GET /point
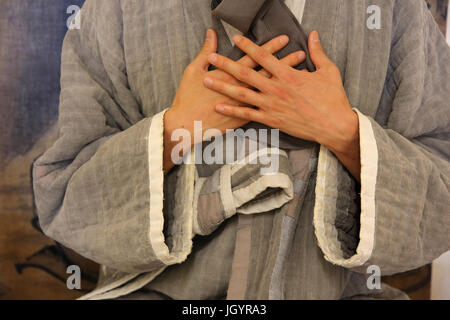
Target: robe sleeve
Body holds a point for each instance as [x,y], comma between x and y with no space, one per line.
[403,220]
[99,189]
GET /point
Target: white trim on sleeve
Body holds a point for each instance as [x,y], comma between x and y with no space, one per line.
[184,197]
[324,215]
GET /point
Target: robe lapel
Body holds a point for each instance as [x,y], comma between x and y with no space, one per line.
[360,53]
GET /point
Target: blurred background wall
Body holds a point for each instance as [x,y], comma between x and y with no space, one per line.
[31,265]
[31,33]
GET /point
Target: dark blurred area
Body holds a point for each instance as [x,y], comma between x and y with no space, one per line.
[31,265]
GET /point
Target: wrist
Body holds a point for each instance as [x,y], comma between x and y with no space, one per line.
[347,146]
[168,129]
[345,140]
[169,124]
[176,144]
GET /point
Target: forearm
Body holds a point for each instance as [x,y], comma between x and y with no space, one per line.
[346,145]
[351,160]
[172,123]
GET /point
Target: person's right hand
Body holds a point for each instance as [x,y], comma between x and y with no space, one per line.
[195,102]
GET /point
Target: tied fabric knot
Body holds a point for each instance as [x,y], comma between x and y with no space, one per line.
[261,21]
[249,185]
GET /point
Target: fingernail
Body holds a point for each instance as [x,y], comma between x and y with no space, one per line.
[209,34]
[220,108]
[301,55]
[212,58]
[237,38]
[315,36]
[209,81]
[284,40]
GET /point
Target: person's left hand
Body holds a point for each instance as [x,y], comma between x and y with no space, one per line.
[311,106]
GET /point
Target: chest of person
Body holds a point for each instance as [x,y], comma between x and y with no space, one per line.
[162,37]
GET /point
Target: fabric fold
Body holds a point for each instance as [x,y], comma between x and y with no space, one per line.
[237,13]
[241,188]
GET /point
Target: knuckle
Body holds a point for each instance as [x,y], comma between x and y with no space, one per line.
[242,93]
[286,75]
[269,47]
[262,54]
[246,114]
[243,73]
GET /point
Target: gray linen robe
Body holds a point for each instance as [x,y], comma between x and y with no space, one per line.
[100,188]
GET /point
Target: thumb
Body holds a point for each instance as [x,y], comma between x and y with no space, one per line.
[318,56]
[209,47]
